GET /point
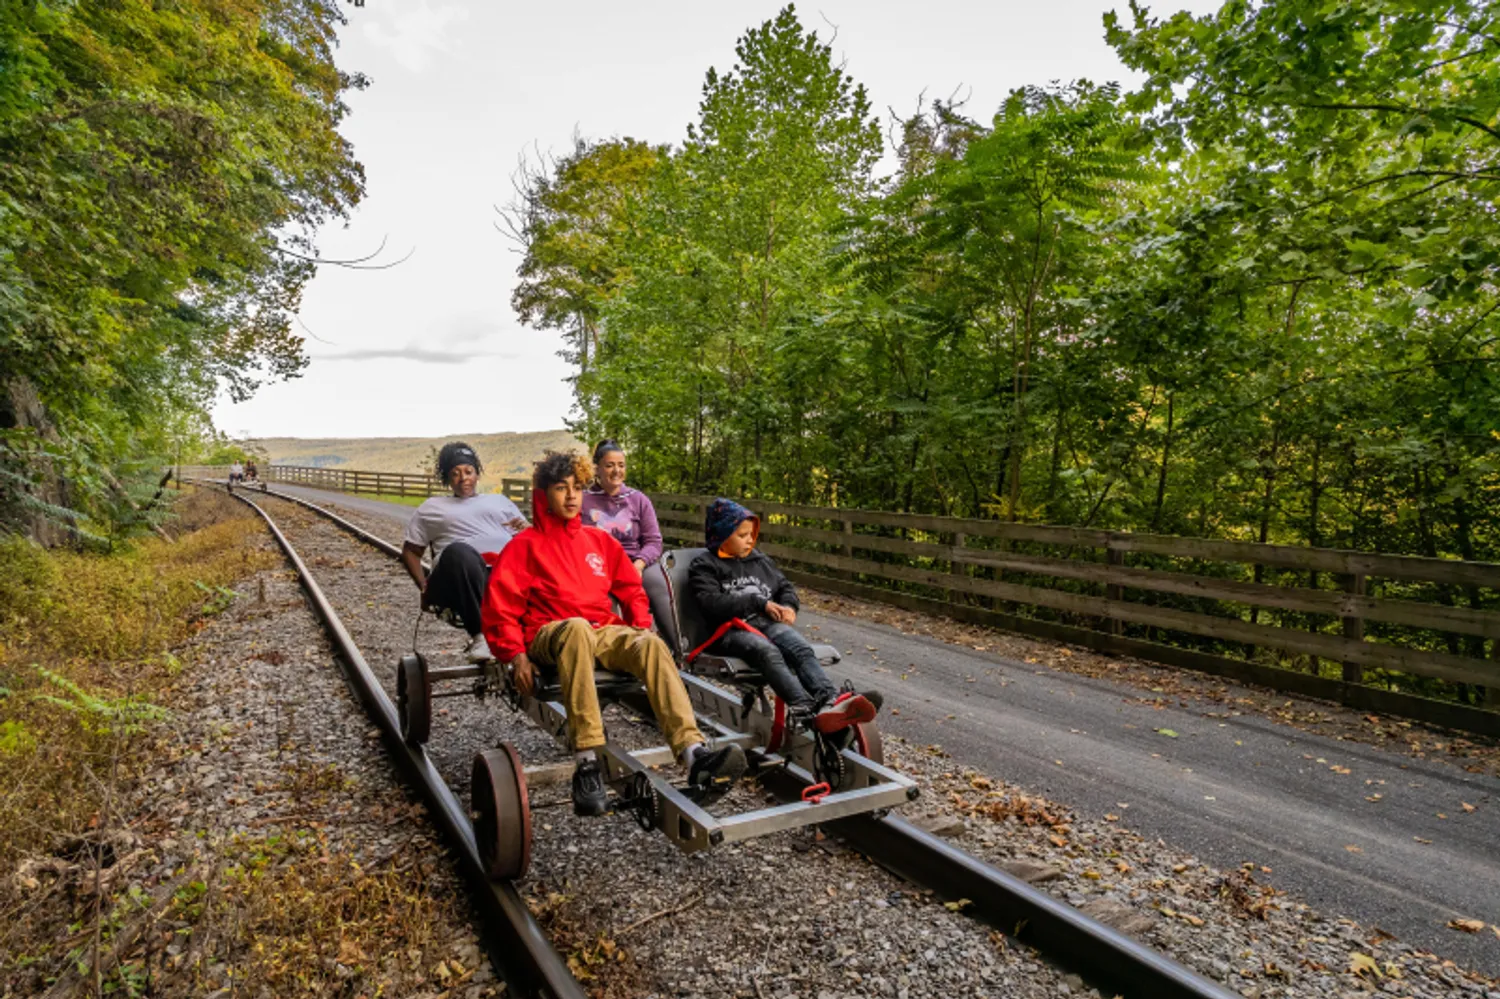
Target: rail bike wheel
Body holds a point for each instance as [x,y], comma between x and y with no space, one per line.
[867,742]
[414,699]
[502,813]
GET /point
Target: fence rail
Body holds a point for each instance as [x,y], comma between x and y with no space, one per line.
[1424,617]
[346,480]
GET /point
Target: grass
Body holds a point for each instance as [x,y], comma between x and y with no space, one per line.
[86,657]
[393,498]
[92,652]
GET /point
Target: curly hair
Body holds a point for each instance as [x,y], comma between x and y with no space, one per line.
[452,455]
[555,466]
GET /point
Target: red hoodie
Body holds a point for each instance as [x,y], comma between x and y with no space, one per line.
[555,570]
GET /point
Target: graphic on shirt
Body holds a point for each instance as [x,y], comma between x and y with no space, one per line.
[743,585]
[596,562]
[619,524]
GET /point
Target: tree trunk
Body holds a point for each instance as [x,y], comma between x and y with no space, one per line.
[1161,476]
[21,408]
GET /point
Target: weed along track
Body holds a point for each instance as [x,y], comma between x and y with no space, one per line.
[791,913]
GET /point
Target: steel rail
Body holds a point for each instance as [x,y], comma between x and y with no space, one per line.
[1107,959]
[517,945]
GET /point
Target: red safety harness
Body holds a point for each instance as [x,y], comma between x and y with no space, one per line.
[732,624]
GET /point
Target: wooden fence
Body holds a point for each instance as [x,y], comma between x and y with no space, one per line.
[347,480]
[1193,602]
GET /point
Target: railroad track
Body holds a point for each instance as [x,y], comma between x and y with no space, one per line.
[1105,958]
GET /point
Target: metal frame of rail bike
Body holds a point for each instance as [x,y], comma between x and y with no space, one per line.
[838,781]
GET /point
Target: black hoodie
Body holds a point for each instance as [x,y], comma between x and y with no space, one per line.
[727,588]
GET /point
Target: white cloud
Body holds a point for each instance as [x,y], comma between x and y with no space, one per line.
[417,34]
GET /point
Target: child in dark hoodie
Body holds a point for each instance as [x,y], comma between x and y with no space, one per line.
[751,606]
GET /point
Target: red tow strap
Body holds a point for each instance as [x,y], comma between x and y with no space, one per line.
[732,624]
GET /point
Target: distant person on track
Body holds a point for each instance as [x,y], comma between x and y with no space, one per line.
[466,532]
[236,473]
[549,604]
[252,474]
[752,606]
[610,505]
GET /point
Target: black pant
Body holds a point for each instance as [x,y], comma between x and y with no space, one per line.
[785,659]
[457,584]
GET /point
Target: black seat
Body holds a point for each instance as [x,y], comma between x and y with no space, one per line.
[611,686]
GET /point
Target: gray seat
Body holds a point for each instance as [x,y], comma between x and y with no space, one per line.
[682,625]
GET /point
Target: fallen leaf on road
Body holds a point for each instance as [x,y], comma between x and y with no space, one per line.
[1363,964]
[1353,849]
[1441,815]
[1421,840]
[1373,797]
[1466,806]
[1340,770]
[958,906]
[1166,732]
[1466,925]
[1111,818]
[1058,841]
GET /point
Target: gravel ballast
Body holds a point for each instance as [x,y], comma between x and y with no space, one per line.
[796,914]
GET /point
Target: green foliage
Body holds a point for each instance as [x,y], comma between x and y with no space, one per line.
[166,167]
[1254,299]
[125,715]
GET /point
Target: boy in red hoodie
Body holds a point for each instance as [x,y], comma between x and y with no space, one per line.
[548,602]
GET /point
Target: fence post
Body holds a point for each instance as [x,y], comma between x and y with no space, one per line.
[1114,591]
[1354,626]
[848,533]
[955,567]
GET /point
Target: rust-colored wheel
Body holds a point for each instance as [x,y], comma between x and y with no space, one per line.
[502,813]
[867,742]
[414,699]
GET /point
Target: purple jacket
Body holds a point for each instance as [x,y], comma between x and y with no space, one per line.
[629,516]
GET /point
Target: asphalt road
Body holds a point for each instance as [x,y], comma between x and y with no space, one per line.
[1229,790]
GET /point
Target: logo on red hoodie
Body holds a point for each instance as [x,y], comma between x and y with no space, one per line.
[596,562]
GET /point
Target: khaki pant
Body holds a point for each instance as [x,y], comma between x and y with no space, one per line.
[573,645]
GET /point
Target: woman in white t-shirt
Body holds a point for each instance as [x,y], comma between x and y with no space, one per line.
[466,532]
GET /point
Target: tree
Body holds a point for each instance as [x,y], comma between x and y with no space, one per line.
[166,169]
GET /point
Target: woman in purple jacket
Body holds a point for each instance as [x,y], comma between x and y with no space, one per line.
[610,505]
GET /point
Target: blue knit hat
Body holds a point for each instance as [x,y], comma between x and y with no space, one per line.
[723,517]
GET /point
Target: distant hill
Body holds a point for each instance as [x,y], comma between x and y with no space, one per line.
[504,455]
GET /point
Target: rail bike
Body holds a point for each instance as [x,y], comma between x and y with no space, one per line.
[838,775]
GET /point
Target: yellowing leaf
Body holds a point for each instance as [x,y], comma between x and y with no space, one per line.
[1166,732]
[1353,849]
[959,905]
[1363,964]
[1466,925]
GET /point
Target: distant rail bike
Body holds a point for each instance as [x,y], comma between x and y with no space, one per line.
[842,774]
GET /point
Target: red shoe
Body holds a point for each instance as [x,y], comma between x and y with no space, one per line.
[853,709]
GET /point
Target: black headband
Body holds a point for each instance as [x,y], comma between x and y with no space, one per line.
[459,456]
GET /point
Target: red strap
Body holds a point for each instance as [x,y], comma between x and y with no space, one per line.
[723,629]
[815,793]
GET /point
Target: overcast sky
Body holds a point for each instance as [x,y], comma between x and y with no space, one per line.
[462,89]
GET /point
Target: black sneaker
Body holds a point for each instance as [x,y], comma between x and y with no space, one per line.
[588,789]
[714,772]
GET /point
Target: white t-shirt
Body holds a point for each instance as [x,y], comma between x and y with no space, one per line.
[479,521]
